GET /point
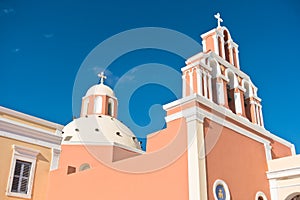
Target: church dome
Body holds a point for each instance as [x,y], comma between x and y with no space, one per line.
[100,89]
[100,130]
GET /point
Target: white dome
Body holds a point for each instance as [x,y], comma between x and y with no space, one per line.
[100,89]
[99,130]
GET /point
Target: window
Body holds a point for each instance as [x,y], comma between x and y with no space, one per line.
[221,191]
[260,196]
[110,107]
[22,172]
[21,177]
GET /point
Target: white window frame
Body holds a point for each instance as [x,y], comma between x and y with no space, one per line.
[112,107]
[260,194]
[221,182]
[23,154]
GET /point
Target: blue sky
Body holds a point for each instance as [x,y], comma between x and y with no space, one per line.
[43,44]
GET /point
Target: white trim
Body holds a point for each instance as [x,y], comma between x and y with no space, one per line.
[221,182]
[55,159]
[193,162]
[30,118]
[199,81]
[29,139]
[224,111]
[191,84]
[23,154]
[210,87]
[284,173]
[193,64]
[183,85]
[273,189]
[205,83]
[29,131]
[260,194]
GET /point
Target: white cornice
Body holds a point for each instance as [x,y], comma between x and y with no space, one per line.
[31,134]
[284,173]
[30,118]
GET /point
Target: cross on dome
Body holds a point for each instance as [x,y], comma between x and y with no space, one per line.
[102,77]
[218,17]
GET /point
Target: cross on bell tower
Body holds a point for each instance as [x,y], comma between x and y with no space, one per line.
[218,17]
[102,77]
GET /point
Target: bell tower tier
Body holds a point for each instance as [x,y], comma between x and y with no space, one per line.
[99,99]
[215,74]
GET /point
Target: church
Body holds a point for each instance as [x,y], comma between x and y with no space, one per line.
[214,146]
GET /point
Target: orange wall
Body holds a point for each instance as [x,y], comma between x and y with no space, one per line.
[239,161]
[102,182]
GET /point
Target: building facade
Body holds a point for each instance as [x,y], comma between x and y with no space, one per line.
[30,149]
[214,146]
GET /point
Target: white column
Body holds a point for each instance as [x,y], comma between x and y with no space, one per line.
[209,86]
[184,85]
[237,103]
[204,45]
[205,83]
[220,92]
[196,157]
[191,82]
[199,81]
[261,115]
[55,159]
[257,114]
[273,189]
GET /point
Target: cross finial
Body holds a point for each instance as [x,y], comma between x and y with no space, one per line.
[218,17]
[102,77]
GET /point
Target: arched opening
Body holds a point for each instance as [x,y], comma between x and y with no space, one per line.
[294,196]
[84,166]
[220,47]
[98,105]
[230,91]
[226,46]
[260,196]
[110,107]
[246,97]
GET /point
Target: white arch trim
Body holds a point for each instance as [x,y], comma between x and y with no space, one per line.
[260,194]
[233,83]
[221,182]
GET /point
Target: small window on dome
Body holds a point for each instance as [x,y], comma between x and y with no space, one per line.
[84,166]
[68,138]
[118,134]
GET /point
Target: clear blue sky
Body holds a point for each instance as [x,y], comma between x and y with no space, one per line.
[43,43]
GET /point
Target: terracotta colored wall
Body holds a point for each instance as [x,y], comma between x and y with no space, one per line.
[41,170]
[237,160]
[102,182]
[279,150]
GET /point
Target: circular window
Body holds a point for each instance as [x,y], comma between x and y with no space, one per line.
[221,191]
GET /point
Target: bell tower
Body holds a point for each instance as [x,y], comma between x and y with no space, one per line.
[215,74]
[99,99]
